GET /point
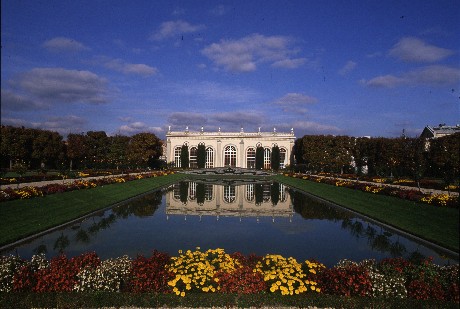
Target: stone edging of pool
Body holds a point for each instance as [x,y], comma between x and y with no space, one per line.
[394,229]
[79,219]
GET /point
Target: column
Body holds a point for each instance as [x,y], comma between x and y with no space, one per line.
[242,162]
[169,158]
[219,154]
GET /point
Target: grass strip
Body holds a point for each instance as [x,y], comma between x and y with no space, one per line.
[22,218]
[195,300]
[435,224]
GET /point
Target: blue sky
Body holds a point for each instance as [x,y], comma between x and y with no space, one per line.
[322,67]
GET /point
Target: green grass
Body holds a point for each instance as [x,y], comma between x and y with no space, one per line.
[435,224]
[22,218]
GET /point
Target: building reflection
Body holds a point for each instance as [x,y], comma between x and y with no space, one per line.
[247,200]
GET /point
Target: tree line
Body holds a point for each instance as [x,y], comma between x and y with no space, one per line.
[413,157]
[43,149]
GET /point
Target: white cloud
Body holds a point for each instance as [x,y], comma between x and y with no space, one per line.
[61,44]
[15,102]
[244,54]
[213,92]
[227,121]
[411,49]
[62,124]
[347,68]
[434,75]
[128,68]
[184,119]
[295,102]
[174,28]
[58,85]
[122,66]
[294,98]
[139,127]
[289,63]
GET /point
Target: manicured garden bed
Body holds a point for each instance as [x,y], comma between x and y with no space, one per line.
[24,217]
[436,224]
[216,278]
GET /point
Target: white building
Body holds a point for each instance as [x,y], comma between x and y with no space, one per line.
[235,149]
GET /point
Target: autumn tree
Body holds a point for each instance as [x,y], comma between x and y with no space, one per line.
[47,147]
[77,149]
[143,149]
[97,148]
[118,150]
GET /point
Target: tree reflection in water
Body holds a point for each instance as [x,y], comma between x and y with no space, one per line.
[312,208]
[142,207]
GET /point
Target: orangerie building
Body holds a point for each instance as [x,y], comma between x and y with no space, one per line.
[234,149]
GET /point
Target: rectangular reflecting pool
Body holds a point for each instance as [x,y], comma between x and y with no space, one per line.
[248,217]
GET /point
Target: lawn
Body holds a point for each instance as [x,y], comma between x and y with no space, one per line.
[22,218]
[435,224]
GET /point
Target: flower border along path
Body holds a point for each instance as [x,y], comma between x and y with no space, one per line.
[25,217]
[187,278]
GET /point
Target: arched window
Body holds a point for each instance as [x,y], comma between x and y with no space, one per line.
[267,164]
[250,192]
[192,191]
[193,152]
[251,157]
[282,193]
[229,194]
[177,151]
[208,191]
[230,156]
[282,158]
[209,158]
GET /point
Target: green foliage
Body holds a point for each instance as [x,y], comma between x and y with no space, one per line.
[200,193]
[259,158]
[201,156]
[184,157]
[275,158]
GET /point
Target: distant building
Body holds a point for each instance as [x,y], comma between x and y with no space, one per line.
[235,149]
[439,131]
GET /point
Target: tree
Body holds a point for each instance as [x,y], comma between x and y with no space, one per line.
[118,150]
[77,149]
[444,154]
[144,148]
[259,158]
[275,158]
[98,148]
[201,156]
[184,157]
[16,145]
[47,147]
[360,154]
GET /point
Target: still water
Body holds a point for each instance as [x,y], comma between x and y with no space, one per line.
[247,217]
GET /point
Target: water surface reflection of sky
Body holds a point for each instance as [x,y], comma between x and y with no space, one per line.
[261,220]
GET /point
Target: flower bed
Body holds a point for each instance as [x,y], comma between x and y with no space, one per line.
[424,183]
[215,271]
[440,200]
[30,192]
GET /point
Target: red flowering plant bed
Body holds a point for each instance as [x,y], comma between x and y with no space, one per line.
[440,200]
[215,271]
[9,194]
